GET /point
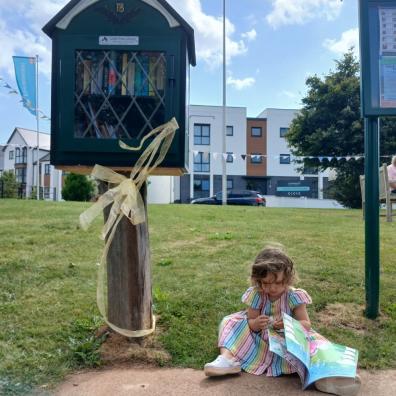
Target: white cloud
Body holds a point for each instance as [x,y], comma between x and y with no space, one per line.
[21,22]
[289,94]
[26,39]
[250,36]
[349,38]
[208,30]
[289,12]
[240,84]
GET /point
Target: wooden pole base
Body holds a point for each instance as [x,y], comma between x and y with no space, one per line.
[128,273]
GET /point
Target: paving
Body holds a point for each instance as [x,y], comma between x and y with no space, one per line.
[176,382]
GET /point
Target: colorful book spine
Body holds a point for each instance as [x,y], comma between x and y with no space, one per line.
[112,73]
[131,79]
[86,76]
[152,82]
[145,76]
[105,84]
[124,72]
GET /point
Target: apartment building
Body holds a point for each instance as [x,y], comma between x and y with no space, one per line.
[257,153]
[206,153]
[20,156]
[284,177]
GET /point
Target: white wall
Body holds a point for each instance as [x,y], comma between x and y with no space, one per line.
[276,145]
[236,144]
[160,190]
[303,202]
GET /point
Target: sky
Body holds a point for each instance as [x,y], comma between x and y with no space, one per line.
[272,47]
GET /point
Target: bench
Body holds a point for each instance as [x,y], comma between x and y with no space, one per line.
[385,195]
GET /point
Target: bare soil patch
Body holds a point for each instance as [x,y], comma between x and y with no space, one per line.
[349,316]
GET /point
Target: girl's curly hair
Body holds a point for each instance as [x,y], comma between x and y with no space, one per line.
[270,260]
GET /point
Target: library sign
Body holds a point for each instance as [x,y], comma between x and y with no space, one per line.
[378,57]
[119,70]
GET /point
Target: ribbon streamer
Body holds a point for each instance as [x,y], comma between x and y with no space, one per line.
[127,201]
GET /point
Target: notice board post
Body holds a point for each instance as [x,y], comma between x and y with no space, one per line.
[377,29]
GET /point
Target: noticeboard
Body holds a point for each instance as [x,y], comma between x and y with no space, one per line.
[377,20]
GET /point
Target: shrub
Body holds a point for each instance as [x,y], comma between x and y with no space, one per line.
[77,188]
[8,185]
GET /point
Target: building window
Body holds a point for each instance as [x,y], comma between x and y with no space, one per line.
[202,134]
[283,131]
[201,186]
[20,175]
[47,169]
[17,155]
[230,157]
[11,155]
[24,155]
[230,184]
[230,130]
[47,192]
[202,162]
[284,159]
[255,158]
[309,171]
[256,131]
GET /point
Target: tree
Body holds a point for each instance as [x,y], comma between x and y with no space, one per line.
[330,124]
[77,188]
[8,185]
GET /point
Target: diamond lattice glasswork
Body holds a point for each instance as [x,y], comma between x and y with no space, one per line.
[119,94]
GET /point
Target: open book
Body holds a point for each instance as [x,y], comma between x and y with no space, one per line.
[313,356]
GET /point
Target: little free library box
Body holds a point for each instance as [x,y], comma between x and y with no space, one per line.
[119,70]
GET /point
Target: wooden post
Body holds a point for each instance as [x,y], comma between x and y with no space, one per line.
[128,273]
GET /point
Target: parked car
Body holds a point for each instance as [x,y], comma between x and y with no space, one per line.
[234,197]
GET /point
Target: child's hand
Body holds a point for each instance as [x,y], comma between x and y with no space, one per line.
[261,322]
[278,324]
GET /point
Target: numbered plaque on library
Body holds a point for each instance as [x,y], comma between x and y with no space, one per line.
[119,70]
[378,57]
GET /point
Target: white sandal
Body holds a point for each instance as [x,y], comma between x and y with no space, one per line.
[221,366]
[341,386]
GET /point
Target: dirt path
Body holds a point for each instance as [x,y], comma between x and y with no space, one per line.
[176,382]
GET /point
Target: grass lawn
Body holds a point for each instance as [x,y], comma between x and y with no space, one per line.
[200,262]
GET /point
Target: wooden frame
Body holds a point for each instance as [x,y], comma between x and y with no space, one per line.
[385,195]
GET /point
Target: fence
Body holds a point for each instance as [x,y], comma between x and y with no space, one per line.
[23,191]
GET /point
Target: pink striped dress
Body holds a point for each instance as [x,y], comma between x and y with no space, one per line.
[251,348]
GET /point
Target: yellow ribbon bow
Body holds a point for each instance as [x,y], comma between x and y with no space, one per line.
[126,200]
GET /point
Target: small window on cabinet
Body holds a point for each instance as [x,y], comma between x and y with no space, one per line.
[230,130]
[119,94]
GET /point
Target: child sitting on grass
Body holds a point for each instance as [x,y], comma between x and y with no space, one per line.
[243,341]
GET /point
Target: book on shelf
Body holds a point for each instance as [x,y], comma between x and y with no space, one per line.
[313,356]
[124,73]
[131,78]
[87,76]
[141,76]
[152,80]
[112,73]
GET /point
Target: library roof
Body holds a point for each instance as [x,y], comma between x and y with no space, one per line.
[49,28]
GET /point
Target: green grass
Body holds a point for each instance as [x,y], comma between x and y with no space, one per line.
[200,262]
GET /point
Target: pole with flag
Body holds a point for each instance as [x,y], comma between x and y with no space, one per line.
[26,75]
[224,128]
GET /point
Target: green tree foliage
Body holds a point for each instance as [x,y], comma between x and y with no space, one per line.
[8,185]
[77,188]
[330,124]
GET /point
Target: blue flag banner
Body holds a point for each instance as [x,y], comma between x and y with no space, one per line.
[25,74]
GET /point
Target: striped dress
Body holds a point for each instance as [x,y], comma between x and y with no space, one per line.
[251,348]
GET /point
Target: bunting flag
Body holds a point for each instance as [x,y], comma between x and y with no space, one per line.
[13,91]
[25,74]
[320,158]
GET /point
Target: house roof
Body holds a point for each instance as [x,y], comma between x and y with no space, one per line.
[30,138]
[50,27]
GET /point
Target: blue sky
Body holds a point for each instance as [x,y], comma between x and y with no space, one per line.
[272,46]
